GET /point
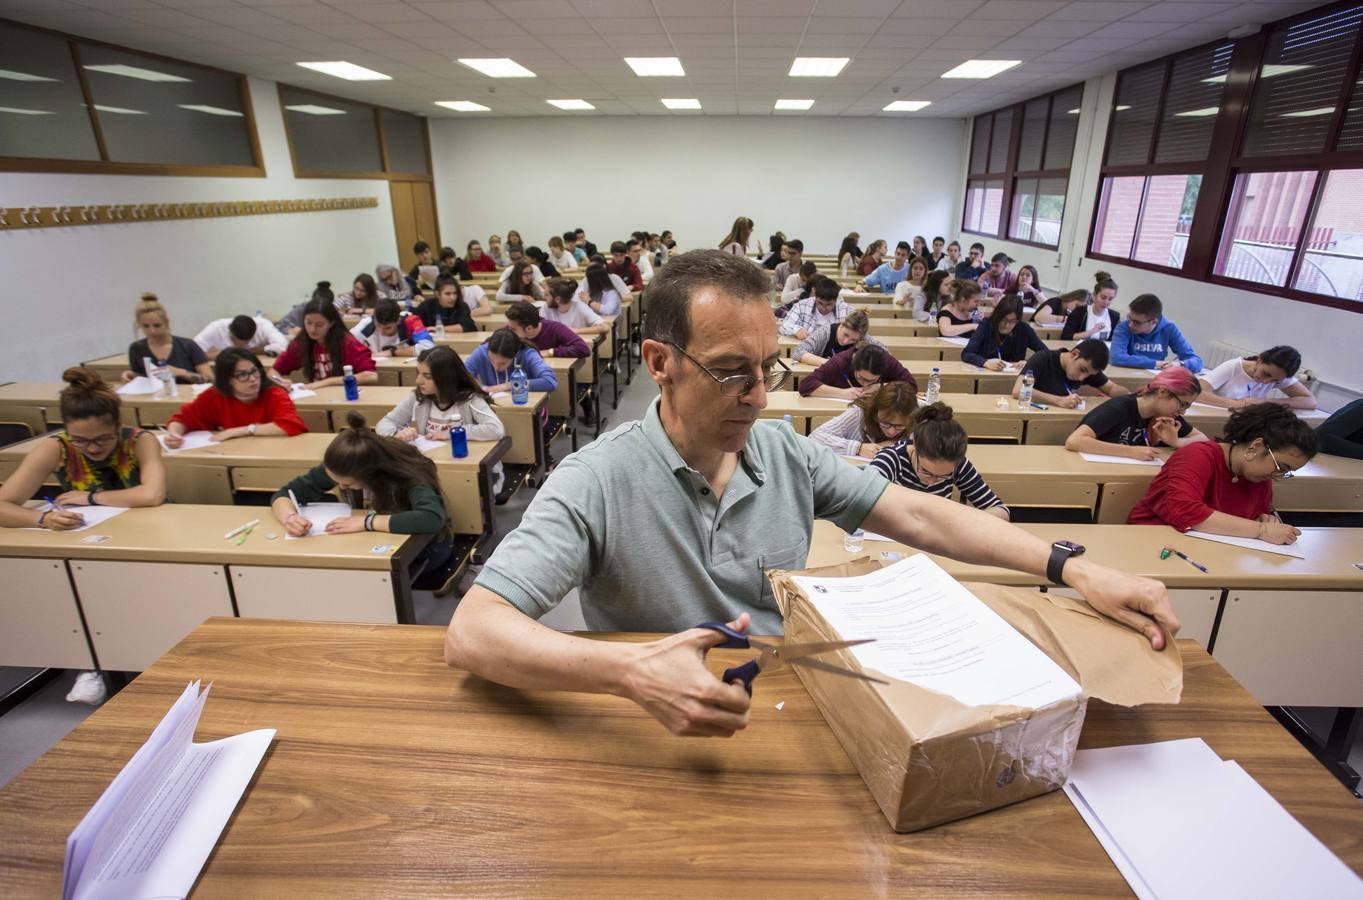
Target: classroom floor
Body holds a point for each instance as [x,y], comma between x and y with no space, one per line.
[42,720]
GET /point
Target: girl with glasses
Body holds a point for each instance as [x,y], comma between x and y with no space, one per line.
[871,423]
[242,403]
[1134,425]
[1227,487]
[933,461]
[96,461]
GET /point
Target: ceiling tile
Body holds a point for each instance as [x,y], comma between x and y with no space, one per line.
[841,8]
[1098,11]
[1017,10]
[843,25]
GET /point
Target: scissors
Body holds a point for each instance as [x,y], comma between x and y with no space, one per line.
[777,653]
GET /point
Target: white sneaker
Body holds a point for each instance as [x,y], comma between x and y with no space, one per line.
[498,479]
[89,688]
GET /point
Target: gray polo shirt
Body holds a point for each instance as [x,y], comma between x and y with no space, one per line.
[627,521]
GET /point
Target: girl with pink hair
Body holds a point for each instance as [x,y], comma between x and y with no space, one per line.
[1135,424]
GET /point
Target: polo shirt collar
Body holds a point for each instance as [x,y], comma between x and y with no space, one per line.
[657,438]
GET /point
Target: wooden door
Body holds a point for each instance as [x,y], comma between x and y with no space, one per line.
[413,218]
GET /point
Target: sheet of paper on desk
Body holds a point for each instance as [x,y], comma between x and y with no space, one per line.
[298,392]
[424,443]
[151,831]
[958,341]
[140,385]
[191,440]
[93,515]
[319,514]
[931,631]
[1210,829]
[1250,544]
[1121,460]
[200,388]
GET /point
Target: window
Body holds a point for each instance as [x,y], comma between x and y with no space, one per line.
[81,106]
[334,138]
[1027,181]
[404,136]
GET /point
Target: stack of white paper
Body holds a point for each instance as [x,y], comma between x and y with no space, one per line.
[931,631]
[1121,460]
[151,831]
[93,515]
[319,514]
[298,392]
[1180,822]
[141,385]
[190,440]
[958,341]
[1250,544]
[424,443]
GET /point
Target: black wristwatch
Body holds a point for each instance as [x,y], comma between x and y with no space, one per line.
[1061,551]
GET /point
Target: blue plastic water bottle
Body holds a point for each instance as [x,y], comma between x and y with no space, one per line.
[352,384]
[459,438]
[520,386]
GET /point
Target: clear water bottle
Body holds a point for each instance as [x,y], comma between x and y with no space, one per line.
[789,422]
[934,386]
[459,438]
[520,386]
[853,541]
[352,384]
[439,328]
[975,315]
[1025,392]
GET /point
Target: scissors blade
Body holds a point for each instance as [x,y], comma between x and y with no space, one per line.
[835,669]
[795,651]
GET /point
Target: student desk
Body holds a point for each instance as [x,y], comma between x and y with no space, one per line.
[921,347]
[604,346]
[978,414]
[393,774]
[164,570]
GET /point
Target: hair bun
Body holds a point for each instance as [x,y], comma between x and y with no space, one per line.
[355,420]
[1102,276]
[935,412]
[149,297]
[324,285]
[82,379]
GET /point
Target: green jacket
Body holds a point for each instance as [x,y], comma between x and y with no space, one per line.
[427,515]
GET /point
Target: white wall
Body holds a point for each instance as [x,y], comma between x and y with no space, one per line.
[69,292]
[1328,338]
[814,179]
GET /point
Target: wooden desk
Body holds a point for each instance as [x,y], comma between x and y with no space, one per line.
[394,775]
[164,570]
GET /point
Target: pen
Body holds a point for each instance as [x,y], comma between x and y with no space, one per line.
[1036,405]
[240,528]
[294,500]
[1164,554]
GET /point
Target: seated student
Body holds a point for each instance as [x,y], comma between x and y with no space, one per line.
[601,290]
[1097,319]
[1227,488]
[776,251]
[493,361]
[794,258]
[426,280]
[514,244]
[364,293]
[256,334]
[909,293]
[936,292]
[186,359]
[549,337]
[497,251]
[1058,309]
[1247,380]
[560,256]
[243,402]
[540,260]
[919,248]
[1004,340]
[620,264]
[452,266]
[444,388]
[449,308]
[972,267]
[521,284]
[827,341]
[949,262]
[799,285]
[390,283]
[936,254]
[872,422]
[1063,375]
[1145,338]
[998,279]
[634,249]
[888,275]
[590,249]
[1134,424]
[564,304]
[824,307]
[848,258]
[1342,433]
[570,246]
[958,318]
[854,373]
[96,460]
[324,348]
[476,260]
[391,331]
[1028,287]
[393,478]
[875,255]
[425,256]
[933,460]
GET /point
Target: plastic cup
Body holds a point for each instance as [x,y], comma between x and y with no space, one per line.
[853,542]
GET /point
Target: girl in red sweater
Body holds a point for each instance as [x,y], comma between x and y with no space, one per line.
[323,347]
[1227,488]
[242,402]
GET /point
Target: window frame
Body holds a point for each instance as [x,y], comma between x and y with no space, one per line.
[1011,174]
[1226,161]
[386,174]
[105,166]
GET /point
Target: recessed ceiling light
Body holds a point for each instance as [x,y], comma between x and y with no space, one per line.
[655,66]
[1199,113]
[313,109]
[907,105]
[22,76]
[1272,70]
[570,104]
[501,67]
[26,112]
[981,68]
[349,71]
[211,110]
[817,66]
[462,105]
[1308,113]
[135,72]
[794,104]
[681,103]
[120,110]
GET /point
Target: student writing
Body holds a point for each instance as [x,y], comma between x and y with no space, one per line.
[550,338]
[493,362]
[243,402]
[324,348]
[186,359]
[564,304]
[449,307]
[1146,337]
[254,333]
[364,293]
[824,307]
[1062,376]
[933,461]
[854,373]
[521,283]
[872,422]
[827,341]
[1134,424]
[1247,380]
[1004,340]
[444,388]
[391,331]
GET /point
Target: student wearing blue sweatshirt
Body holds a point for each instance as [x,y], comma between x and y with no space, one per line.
[1144,338]
[493,361]
[888,275]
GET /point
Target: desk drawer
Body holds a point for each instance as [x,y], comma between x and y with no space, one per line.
[39,620]
[1022,491]
[265,478]
[319,595]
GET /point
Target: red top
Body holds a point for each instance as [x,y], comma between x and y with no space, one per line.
[483,263]
[353,353]
[212,410]
[1196,482]
[867,265]
[629,273]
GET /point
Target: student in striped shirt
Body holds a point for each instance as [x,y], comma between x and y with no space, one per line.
[873,422]
[933,461]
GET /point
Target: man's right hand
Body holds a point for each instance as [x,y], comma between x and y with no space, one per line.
[669,680]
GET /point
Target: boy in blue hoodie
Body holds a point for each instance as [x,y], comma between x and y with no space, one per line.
[492,361]
[1144,338]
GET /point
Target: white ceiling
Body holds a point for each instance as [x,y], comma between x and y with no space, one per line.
[736,52]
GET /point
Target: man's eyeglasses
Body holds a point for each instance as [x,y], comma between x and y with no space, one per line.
[1280,472]
[738,385]
[243,377]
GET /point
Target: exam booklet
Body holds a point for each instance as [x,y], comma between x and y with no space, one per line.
[153,828]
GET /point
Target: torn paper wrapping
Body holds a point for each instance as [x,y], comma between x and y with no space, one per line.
[928,758]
